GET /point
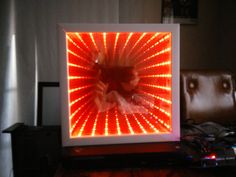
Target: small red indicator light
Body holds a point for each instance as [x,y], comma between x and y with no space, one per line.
[211,157]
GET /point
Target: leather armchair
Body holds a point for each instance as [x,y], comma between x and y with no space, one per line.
[208,96]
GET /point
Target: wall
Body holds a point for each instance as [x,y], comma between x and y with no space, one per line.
[200,42]
[209,44]
[140,11]
[227,18]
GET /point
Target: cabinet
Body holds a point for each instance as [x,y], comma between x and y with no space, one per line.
[36,151]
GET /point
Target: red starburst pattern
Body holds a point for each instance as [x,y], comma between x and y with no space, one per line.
[119,83]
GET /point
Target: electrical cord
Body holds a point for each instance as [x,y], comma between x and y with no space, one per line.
[206,136]
[208,144]
[209,129]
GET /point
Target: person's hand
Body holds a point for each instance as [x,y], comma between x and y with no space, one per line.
[100,90]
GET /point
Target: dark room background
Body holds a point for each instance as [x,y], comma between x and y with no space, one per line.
[28,46]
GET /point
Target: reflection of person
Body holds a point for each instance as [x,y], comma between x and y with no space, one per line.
[116,86]
[131,84]
[117,91]
[102,100]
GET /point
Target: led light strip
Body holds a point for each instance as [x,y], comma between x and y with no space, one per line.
[78,56]
[157,97]
[149,123]
[71,40]
[129,125]
[156,86]
[117,122]
[158,108]
[152,56]
[77,110]
[146,43]
[80,98]
[77,120]
[80,77]
[106,124]
[80,38]
[81,88]
[156,76]
[94,43]
[126,42]
[154,45]
[115,45]
[80,66]
[84,124]
[139,124]
[155,65]
[159,120]
[105,42]
[136,43]
[95,124]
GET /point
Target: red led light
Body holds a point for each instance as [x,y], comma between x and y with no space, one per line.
[211,157]
[119,83]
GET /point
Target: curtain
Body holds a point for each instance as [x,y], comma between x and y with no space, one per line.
[8,87]
[28,54]
[36,40]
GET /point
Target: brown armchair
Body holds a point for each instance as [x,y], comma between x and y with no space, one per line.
[208,96]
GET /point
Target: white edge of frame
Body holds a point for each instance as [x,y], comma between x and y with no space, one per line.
[174,136]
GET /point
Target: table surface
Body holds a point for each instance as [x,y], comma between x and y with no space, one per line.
[149,172]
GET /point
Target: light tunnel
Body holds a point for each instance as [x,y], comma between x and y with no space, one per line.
[119,83]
